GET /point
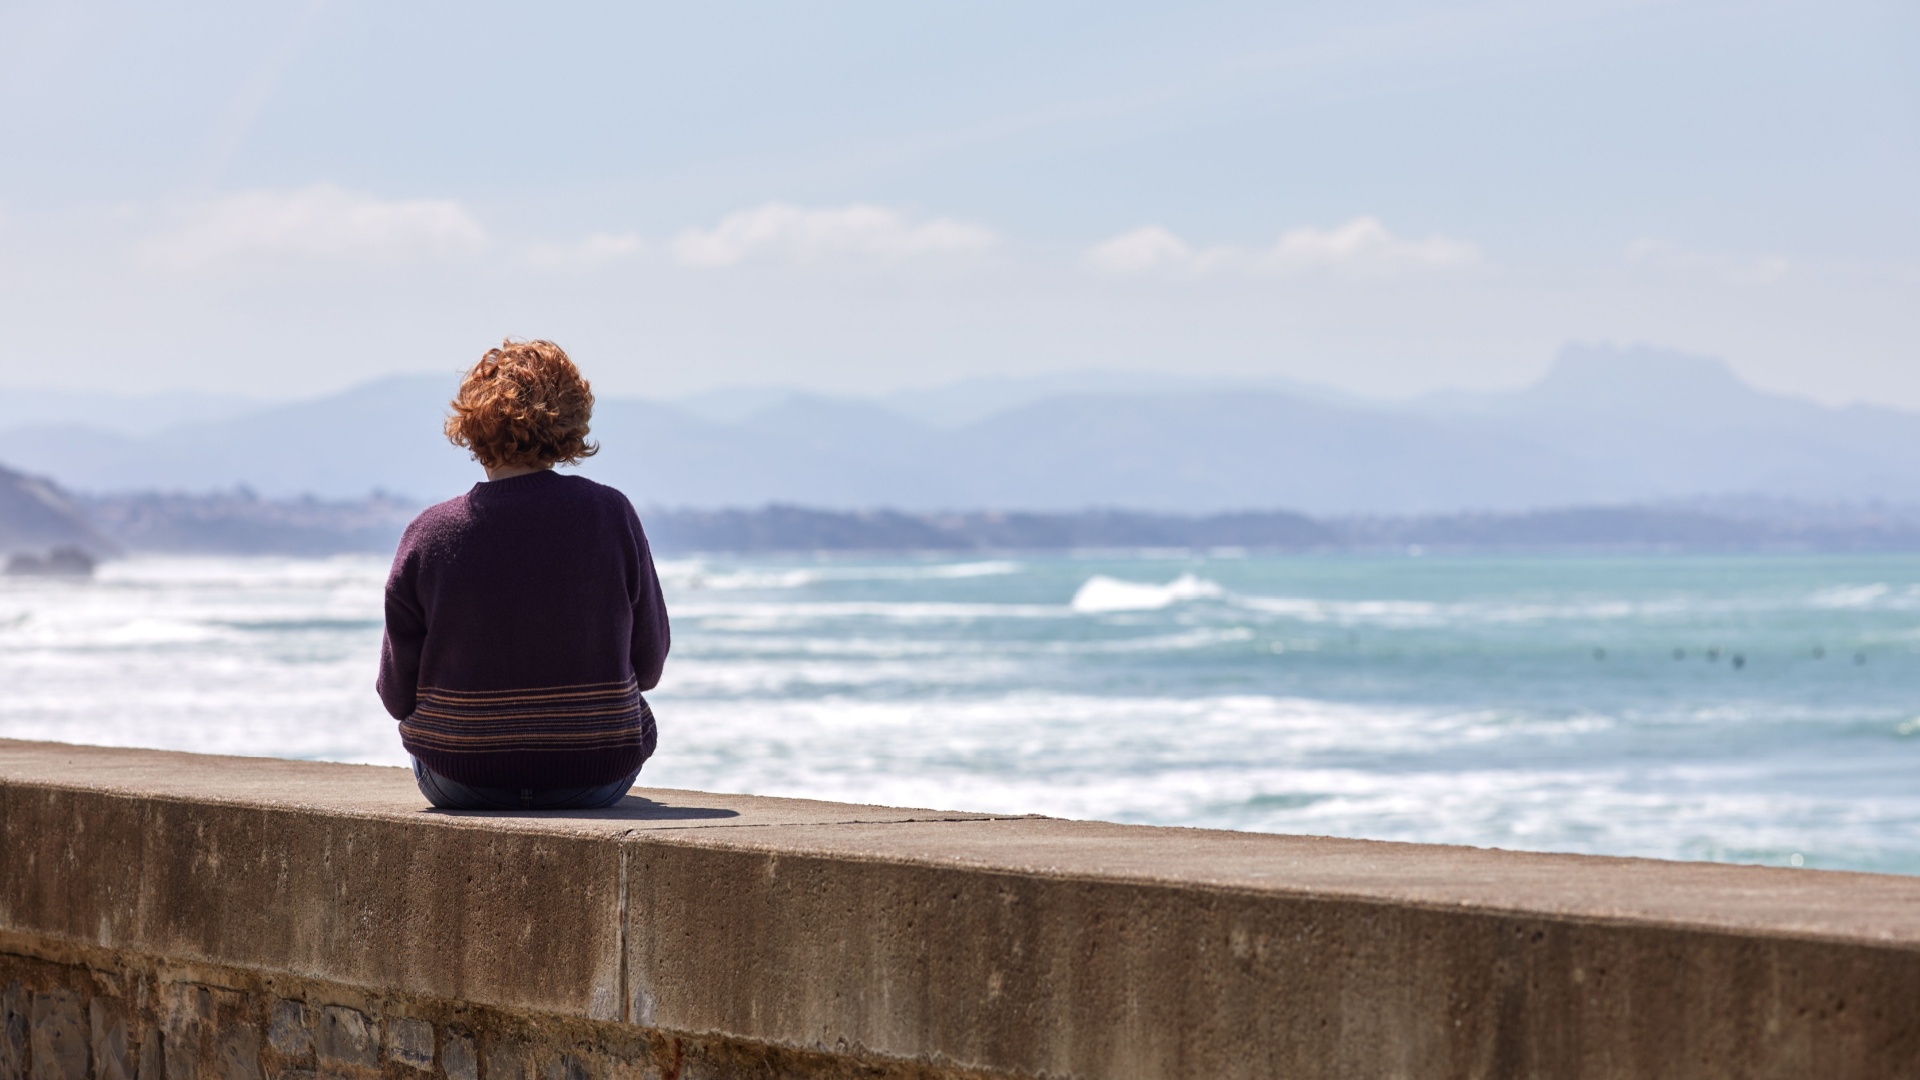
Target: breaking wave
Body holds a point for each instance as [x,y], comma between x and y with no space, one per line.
[1101,594]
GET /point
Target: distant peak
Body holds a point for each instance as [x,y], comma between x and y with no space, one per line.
[1639,374]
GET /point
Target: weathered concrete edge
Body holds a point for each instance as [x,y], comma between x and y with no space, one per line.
[1025,945]
[804,840]
[1301,893]
[1107,978]
[1830,903]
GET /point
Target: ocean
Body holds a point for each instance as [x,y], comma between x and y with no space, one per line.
[1757,709]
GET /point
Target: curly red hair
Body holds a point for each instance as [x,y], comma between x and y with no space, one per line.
[523,404]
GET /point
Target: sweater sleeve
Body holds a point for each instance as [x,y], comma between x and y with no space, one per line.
[406,635]
[651,634]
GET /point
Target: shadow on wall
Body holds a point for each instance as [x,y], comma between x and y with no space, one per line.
[631,808]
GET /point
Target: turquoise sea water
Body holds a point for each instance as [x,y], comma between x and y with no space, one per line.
[1747,708]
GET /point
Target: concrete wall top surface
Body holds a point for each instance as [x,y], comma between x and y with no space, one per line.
[1879,908]
[1016,945]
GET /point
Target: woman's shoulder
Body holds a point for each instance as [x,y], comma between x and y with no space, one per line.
[587,490]
[438,519]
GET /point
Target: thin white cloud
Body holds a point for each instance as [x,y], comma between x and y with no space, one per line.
[798,234]
[594,250]
[1365,245]
[1148,248]
[321,221]
[1671,258]
[1362,247]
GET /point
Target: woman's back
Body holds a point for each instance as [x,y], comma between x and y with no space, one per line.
[524,619]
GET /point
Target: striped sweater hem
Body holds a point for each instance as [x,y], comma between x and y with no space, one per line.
[532,736]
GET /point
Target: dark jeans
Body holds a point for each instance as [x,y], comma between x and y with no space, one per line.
[454,795]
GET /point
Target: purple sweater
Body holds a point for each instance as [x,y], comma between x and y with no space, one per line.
[523,621]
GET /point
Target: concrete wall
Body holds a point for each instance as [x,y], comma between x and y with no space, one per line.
[177,917]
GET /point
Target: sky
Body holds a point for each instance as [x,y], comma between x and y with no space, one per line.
[284,199]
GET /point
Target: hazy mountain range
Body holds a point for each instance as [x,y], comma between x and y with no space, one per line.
[1604,426]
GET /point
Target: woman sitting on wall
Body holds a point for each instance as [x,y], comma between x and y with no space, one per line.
[524,618]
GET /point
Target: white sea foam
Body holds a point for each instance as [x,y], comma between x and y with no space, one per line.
[1426,613]
[734,676]
[1101,594]
[774,615]
[1198,638]
[698,575]
[771,643]
[1400,612]
[749,579]
[1850,596]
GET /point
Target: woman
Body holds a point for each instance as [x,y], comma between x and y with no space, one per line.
[524,618]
